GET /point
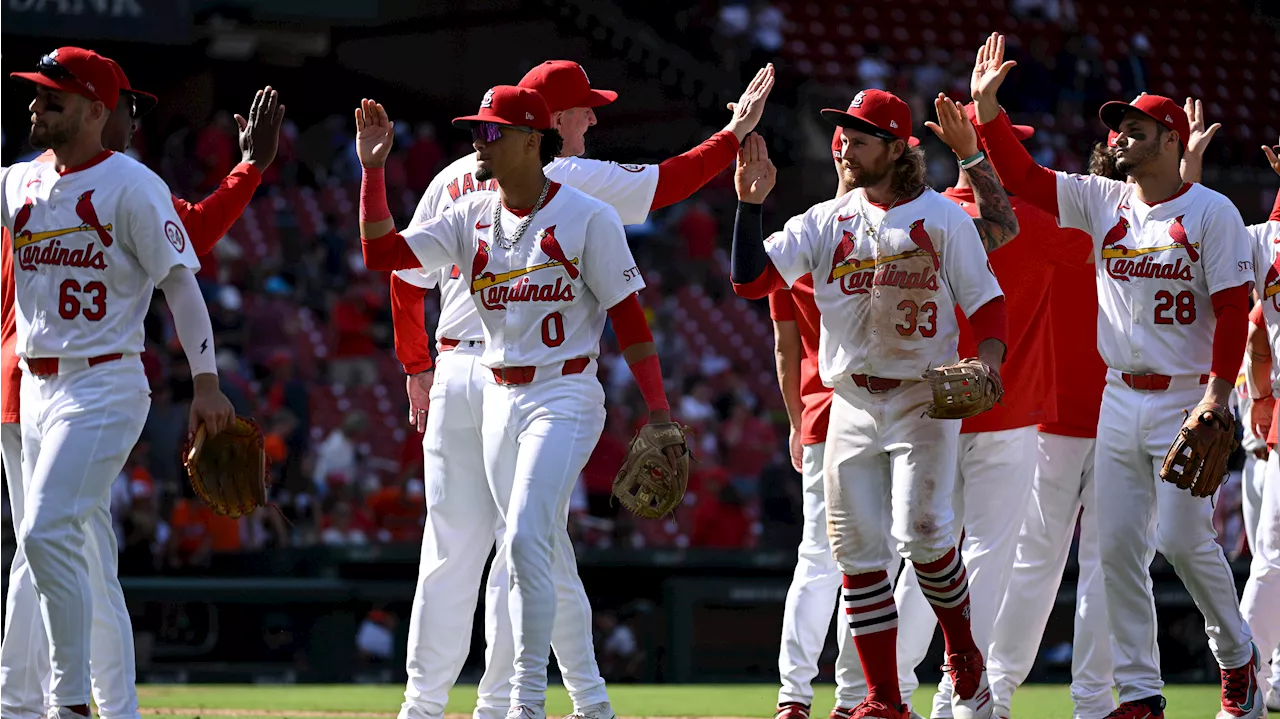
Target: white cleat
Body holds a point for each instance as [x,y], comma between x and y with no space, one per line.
[980,706]
[1273,699]
[603,710]
[62,713]
[523,711]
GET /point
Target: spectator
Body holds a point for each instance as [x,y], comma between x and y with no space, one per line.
[376,639]
[720,520]
[143,534]
[398,512]
[337,454]
[425,158]
[749,442]
[619,655]
[695,406]
[352,363]
[190,542]
[343,527]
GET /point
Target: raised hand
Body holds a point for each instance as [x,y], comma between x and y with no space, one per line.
[1273,156]
[953,127]
[260,133]
[755,174]
[1200,136]
[374,134]
[989,72]
[748,109]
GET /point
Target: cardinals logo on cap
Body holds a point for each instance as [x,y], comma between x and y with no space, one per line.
[488,99]
[857,99]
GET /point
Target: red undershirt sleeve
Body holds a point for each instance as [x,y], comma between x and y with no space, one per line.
[991,321]
[631,328]
[1231,308]
[761,286]
[1018,172]
[1275,209]
[686,173]
[210,219]
[408,326]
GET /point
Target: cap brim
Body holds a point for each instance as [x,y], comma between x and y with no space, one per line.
[597,98]
[840,118]
[1023,132]
[467,121]
[1112,114]
[46,81]
[143,102]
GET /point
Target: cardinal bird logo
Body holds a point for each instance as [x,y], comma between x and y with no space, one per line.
[21,219]
[1271,290]
[89,216]
[551,247]
[481,260]
[1179,234]
[1115,234]
[922,239]
[844,250]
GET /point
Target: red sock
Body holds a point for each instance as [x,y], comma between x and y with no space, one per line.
[873,618]
[945,584]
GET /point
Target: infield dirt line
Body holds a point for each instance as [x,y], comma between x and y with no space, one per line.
[307,714]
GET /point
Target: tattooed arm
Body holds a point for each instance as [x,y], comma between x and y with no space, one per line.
[996,223]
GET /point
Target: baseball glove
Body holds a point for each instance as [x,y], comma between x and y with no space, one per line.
[1197,460]
[229,472]
[963,389]
[645,484]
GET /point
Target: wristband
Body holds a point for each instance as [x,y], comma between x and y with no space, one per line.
[973,160]
[373,195]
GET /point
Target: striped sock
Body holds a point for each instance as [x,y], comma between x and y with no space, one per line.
[945,584]
[873,618]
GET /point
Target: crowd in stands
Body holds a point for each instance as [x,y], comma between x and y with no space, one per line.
[304,335]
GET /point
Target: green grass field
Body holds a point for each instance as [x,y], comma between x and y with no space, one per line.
[654,700]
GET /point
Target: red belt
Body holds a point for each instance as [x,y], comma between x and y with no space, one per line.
[1152,382]
[876,385]
[524,375]
[48,366]
[447,344]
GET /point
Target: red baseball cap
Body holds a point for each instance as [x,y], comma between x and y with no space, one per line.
[565,85]
[143,102]
[74,69]
[510,105]
[1022,132]
[1111,138]
[1157,107]
[837,147]
[878,113]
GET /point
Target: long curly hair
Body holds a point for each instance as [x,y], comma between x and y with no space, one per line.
[1102,162]
[908,173]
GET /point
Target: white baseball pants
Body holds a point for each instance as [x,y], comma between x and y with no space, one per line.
[1260,603]
[1138,514]
[888,472]
[537,439]
[994,473]
[1063,485]
[812,600]
[1251,489]
[463,520]
[78,428]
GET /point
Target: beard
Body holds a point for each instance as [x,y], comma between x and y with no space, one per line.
[866,177]
[55,134]
[1134,158]
[484,174]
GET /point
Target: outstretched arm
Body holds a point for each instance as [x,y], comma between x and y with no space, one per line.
[384,248]
[996,223]
[1193,157]
[752,273]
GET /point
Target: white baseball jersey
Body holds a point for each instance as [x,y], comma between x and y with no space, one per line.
[1158,266]
[886,283]
[1266,262]
[628,188]
[89,247]
[544,300]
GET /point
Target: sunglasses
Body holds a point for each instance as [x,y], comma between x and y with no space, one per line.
[492,131]
[50,68]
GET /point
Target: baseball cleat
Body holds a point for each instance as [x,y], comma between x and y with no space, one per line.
[872,709]
[971,697]
[1149,708]
[1273,696]
[519,711]
[795,710]
[1241,694]
[603,710]
[63,713]
[839,712]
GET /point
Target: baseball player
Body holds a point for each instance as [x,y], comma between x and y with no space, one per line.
[462,518]
[93,232]
[1174,271]
[1062,488]
[24,658]
[997,451]
[889,261]
[543,277]
[812,596]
